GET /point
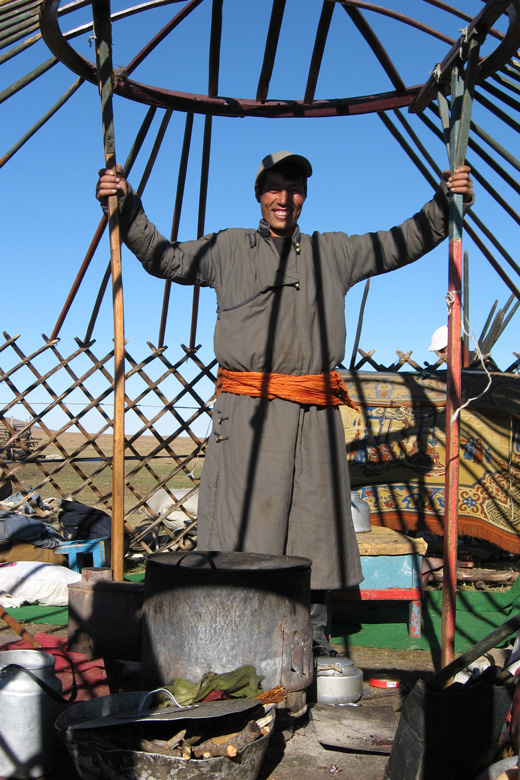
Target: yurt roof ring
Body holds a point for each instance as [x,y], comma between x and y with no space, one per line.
[260,105]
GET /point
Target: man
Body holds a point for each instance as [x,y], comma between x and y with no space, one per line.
[275,478]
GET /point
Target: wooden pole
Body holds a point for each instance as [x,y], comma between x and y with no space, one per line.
[102,30]
[459,124]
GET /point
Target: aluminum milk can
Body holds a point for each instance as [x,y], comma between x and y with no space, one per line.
[28,739]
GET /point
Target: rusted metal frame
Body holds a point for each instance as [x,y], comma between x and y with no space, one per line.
[511,70]
[14,52]
[507,178]
[201,104]
[375,44]
[498,112]
[408,20]
[462,90]
[509,101]
[161,35]
[142,184]
[450,9]
[12,20]
[489,234]
[27,79]
[214,47]
[134,151]
[479,27]
[181,182]
[508,47]
[43,119]
[493,262]
[418,143]
[488,322]
[271,44]
[203,194]
[505,82]
[507,319]
[408,149]
[11,6]
[360,324]
[17,31]
[237,107]
[498,148]
[319,46]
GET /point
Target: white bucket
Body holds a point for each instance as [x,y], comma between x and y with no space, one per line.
[28,739]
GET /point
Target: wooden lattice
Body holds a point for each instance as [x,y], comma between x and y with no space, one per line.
[40,460]
[164,449]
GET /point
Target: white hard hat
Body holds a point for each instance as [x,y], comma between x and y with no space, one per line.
[439,339]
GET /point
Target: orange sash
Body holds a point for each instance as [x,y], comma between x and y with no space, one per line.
[310,389]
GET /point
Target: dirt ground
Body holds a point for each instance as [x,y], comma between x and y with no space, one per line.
[294,752]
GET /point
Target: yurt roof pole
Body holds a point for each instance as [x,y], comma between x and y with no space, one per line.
[456,127]
[102,30]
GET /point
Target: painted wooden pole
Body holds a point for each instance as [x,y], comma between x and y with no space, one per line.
[102,30]
[459,124]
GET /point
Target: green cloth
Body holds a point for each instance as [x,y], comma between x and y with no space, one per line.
[242,683]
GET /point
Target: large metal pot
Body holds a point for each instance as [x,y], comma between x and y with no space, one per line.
[215,611]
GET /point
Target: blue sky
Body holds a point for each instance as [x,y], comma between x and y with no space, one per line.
[362,179]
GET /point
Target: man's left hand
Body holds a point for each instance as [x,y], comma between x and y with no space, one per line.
[459,182]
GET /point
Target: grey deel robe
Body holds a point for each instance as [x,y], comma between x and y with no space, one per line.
[275,478]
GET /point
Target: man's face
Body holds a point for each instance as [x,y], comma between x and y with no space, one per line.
[281,201]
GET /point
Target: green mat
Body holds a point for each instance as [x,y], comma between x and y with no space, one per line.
[385,624]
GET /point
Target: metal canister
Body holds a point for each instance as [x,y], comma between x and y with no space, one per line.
[215,611]
[28,739]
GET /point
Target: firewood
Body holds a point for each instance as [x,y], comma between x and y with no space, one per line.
[230,744]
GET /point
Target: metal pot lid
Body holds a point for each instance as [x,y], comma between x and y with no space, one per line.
[228,561]
[202,711]
[333,666]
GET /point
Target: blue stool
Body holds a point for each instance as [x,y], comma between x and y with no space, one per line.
[77,549]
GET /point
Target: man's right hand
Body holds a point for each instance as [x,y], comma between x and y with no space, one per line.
[110,183]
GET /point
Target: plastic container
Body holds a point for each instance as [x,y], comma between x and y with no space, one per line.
[28,739]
